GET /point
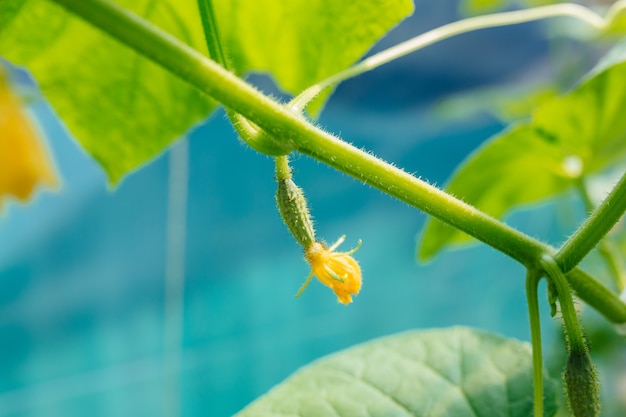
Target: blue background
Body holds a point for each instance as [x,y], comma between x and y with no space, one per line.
[83,327]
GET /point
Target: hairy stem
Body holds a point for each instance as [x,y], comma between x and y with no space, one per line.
[283,170]
[612,257]
[606,249]
[295,132]
[216,52]
[594,228]
[597,295]
[575,338]
[249,133]
[291,131]
[532,281]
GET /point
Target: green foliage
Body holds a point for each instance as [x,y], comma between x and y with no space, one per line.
[452,372]
[121,107]
[124,109]
[506,103]
[303,42]
[566,138]
[617,22]
[485,6]
[481,6]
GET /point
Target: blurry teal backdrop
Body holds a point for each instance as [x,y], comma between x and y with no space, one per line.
[84,327]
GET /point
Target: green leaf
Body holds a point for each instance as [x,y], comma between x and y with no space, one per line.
[124,109]
[506,103]
[452,372]
[121,107]
[617,24]
[303,42]
[474,7]
[566,138]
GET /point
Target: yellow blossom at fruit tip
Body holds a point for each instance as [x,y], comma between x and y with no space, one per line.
[337,270]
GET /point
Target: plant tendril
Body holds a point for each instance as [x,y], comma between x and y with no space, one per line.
[457,28]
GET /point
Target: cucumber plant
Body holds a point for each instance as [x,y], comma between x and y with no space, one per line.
[172,63]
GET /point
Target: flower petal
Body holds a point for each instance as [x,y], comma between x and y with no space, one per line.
[24,161]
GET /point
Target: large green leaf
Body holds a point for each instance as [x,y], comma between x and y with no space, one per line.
[303,42]
[121,107]
[452,372]
[567,137]
[125,110]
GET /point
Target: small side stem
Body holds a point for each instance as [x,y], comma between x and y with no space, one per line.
[606,249]
[597,295]
[597,225]
[211,32]
[575,337]
[249,133]
[283,170]
[532,280]
[612,258]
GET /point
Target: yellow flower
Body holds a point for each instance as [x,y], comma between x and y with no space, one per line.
[337,270]
[25,162]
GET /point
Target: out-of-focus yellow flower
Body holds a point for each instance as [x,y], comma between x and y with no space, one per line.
[337,270]
[24,159]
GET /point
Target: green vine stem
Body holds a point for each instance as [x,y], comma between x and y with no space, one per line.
[597,225]
[605,248]
[211,33]
[575,338]
[296,133]
[253,136]
[283,170]
[456,28]
[597,295]
[612,257]
[532,281]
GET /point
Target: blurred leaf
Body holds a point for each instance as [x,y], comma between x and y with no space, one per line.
[570,136]
[474,7]
[125,110]
[506,103]
[303,42]
[121,107]
[535,3]
[617,25]
[449,372]
[24,161]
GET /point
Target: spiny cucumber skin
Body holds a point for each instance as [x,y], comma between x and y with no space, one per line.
[581,385]
[293,209]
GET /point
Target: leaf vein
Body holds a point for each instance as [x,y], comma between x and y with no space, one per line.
[373,387]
